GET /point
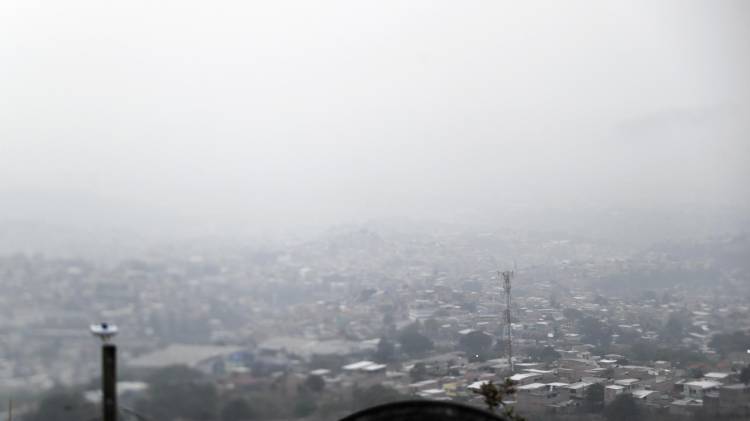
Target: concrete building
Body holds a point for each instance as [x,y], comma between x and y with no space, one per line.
[729,401]
[612,391]
[696,389]
[576,391]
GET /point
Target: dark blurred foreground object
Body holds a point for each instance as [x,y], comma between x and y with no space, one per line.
[423,410]
[105,332]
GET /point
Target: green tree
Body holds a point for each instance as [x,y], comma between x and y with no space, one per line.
[623,408]
[315,383]
[413,342]
[594,399]
[418,372]
[745,375]
[595,332]
[374,395]
[267,404]
[64,405]
[330,362]
[476,344]
[675,328]
[386,351]
[175,374]
[681,357]
[431,327]
[500,348]
[572,314]
[725,343]
[553,300]
[179,392]
[237,410]
[545,354]
[494,394]
[696,372]
[304,406]
[469,306]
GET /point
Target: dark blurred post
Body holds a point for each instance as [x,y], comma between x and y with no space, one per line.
[106,332]
[109,382]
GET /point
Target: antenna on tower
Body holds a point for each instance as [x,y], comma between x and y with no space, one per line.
[507,276]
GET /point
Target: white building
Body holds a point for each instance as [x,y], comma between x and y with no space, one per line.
[696,389]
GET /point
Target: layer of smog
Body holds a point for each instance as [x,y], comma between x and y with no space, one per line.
[337,210]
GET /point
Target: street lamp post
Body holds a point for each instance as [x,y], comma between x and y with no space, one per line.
[106,332]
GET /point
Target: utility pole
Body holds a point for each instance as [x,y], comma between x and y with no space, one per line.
[507,276]
[106,332]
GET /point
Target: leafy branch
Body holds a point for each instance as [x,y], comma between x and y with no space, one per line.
[494,394]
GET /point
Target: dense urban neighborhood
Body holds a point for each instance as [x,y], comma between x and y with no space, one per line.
[355,317]
[383,210]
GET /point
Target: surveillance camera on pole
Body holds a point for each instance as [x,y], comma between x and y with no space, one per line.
[106,332]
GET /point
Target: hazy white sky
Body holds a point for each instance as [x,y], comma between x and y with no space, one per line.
[281,111]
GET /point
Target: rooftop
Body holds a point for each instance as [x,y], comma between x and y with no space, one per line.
[190,355]
[358,365]
[532,386]
[523,376]
[703,384]
[643,393]
[578,385]
[716,375]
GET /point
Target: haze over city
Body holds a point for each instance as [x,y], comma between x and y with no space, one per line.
[300,210]
[265,117]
